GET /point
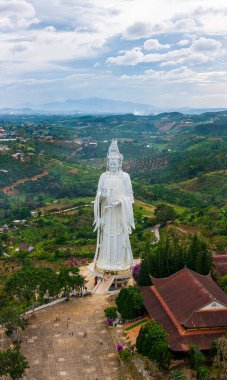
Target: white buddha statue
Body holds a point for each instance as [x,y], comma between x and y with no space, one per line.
[114,216]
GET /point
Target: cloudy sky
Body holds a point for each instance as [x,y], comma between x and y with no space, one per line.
[170,53]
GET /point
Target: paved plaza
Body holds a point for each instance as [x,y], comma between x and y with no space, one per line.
[76,346]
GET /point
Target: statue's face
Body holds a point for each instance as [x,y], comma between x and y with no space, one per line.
[113,165]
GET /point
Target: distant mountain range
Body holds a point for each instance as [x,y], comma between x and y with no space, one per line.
[99,106]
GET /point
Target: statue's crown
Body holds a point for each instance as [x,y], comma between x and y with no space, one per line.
[113,150]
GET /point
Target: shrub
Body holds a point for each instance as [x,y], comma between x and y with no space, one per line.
[196,358]
[125,355]
[111,312]
[13,363]
[177,375]
[203,373]
[152,342]
[130,302]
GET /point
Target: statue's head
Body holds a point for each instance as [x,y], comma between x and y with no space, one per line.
[114,158]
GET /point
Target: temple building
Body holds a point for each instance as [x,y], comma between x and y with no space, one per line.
[190,306]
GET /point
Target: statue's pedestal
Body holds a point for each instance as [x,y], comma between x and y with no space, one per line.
[108,281]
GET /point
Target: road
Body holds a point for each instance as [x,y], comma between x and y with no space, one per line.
[6,189]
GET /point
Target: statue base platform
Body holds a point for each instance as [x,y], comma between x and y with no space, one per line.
[109,282]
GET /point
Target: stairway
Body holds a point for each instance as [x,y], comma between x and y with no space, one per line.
[104,284]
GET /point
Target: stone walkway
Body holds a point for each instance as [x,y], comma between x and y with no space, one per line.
[104,285]
[87,354]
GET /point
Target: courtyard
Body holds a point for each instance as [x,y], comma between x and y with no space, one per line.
[70,341]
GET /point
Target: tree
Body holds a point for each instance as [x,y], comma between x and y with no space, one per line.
[196,358]
[69,278]
[220,359]
[198,257]
[144,275]
[130,302]
[152,342]
[223,283]
[13,363]
[164,213]
[12,320]
[29,283]
[169,255]
[23,258]
[163,259]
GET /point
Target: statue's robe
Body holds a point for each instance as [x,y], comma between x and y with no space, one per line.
[114,223]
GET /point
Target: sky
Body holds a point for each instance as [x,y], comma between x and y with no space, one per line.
[166,53]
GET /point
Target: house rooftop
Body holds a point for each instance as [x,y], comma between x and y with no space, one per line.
[190,306]
[192,290]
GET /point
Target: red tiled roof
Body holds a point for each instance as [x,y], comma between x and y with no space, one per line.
[186,291]
[179,339]
[23,246]
[207,318]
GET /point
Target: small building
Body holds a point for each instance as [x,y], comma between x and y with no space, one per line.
[24,247]
[18,156]
[5,228]
[92,144]
[191,307]
[4,148]
[34,213]
[19,221]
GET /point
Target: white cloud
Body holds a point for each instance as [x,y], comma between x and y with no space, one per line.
[16,14]
[154,44]
[42,41]
[50,28]
[180,75]
[179,16]
[50,45]
[206,44]
[183,42]
[128,58]
[199,52]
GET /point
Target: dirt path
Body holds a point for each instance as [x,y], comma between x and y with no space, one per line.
[156,232]
[7,189]
[70,209]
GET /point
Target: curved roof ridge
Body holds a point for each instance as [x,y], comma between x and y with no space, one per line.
[170,276]
[197,281]
[199,274]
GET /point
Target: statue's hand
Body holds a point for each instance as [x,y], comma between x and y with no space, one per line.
[115,203]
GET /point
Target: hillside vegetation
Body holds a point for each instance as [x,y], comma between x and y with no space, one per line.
[175,159]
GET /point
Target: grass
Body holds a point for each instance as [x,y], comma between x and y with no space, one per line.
[136,324]
[211,184]
[178,209]
[146,206]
